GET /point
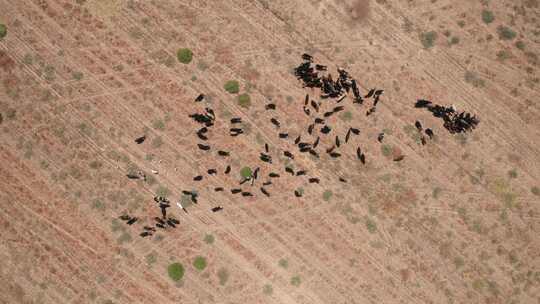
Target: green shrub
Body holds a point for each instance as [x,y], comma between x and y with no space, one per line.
[3,31]
[428,39]
[246,172]
[158,124]
[474,79]
[232,86]
[535,190]
[267,289]
[283,263]
[506,33]
[199,263]
[454,40]
[184,55]
[520,45]
[386,150]
[346,116]
[176,271]
[244,100]
[512,173]
[209,239]
[295,281]
[327,195]
[162,191]
[487,16]
[223,275]
[371,225]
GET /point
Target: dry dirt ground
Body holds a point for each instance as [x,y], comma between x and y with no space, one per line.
[457,221]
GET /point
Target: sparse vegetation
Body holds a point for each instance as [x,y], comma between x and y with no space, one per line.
[512,173]
[346,116]
[223,276]
[473,79]
[184,55]
[371,225]
[232,86]
[506,33]
[151,258]
[162,191]
[158,124]
[267,289]
[3,31]
[157,142]
[296,280]
[209,239]
[244,100]
[535,190]
[453,40]
[77,75]
[386,150]
[246,172]
[175,271]
[520,45]
[327,195]
[283,263]
[428,39]
[199,263]
[487,16]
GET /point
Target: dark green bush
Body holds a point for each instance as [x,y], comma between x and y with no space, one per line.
[184,55]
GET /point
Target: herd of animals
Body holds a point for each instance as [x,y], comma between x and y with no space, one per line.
[332,94]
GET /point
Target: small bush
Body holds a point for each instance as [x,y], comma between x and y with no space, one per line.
[77,75]
[199,263]
[176,271]
[267,289]
[223,275]
[474,79]
[346,116]
[520,45]
[327,195]
[371,225]
[428,39]
[295,281]
[157,142]
[386,150]
[158,124]
[3,31]
[184,55]
[283,263]
[487,16]
[454,40]
[209,239]
[461,23]
[244,100]
[246,172]
[162,191]
[506,33]
[512,173]
[232,86]
[535,190]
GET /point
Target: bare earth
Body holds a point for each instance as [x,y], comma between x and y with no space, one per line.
[457,221]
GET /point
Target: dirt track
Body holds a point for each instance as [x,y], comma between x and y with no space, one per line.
[455,222]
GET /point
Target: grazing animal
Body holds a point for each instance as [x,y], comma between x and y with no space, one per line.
[338,109]
[270,106]
[361,156]
[341,99]
[216,209]
[245,193]
[338,143]
[198,178]
[301,172]
[174,220]
[145,234]
[328,114]
[223,153]
[355,131]
[132,221]
[423,140]
[149,228]
[203,147]
[268,183]
[212,171]
[218,189]
[275,122]
[202,136]
[289,170]
[418,126]
[319,120]
[307,111]
[283,135]
[170,223]
[160,225]
[265,192]
[330,150]
[297,140]
[306,100]
[370,93]
[180,205]
[347,136]
[236,191]
[307,57]
[316,143]
[266,148]
[266,158]
[399,158]
[380,137]
[297,193]
[314,153]
[334,154]
[429,133]
[203,130]
[236,120]
[228,170]
[288,154]
[341,179]
[256,173]
[315,106]
[313,180]
[310,128]
[125,217]
[319,67]
[273,175]
[422,103]
[370,111]
[133,176]
[305,149]
[140,140]
[199,98]
[160,221]
[326,129]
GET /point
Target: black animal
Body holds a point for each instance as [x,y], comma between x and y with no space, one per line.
[223,153]
[265,192]
[198,178]
[399,158]
[301,172]
[203,147]
[283,135]
[273,175]
[265,158]
[125,217]
[334,154]
[145,234]
[338,109]
[289,170]
[361,156]
[319,121]
[159,221]
[306,100]
[429,133]
[266,148]
[270,106]
[328,114]
[326,129]
[307,57]
[341,179]
[199,98]
[370,111]
[236,191]
[421,103]
[211,171]
[297,193]
[315,106]
[316,143]
[268,183]
[338,143]
[288,154]
[256,173]
[140,140]
[216,209]
[228,170]
[330,150]
[347,136]
[423,140]
[174,220]
[307,111]
[314,153]
[160,225]
[218,189]
[370,93]
[133,176]
[380,137]
[355,131]
[236,120]
[319,67]
[170,223]
[297,140]
[313,180]
[132,221]
[310,128]
[275,122]
[245,193]
[418,126]
[202,136]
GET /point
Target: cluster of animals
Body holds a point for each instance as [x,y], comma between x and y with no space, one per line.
[454,121]
[313,76]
